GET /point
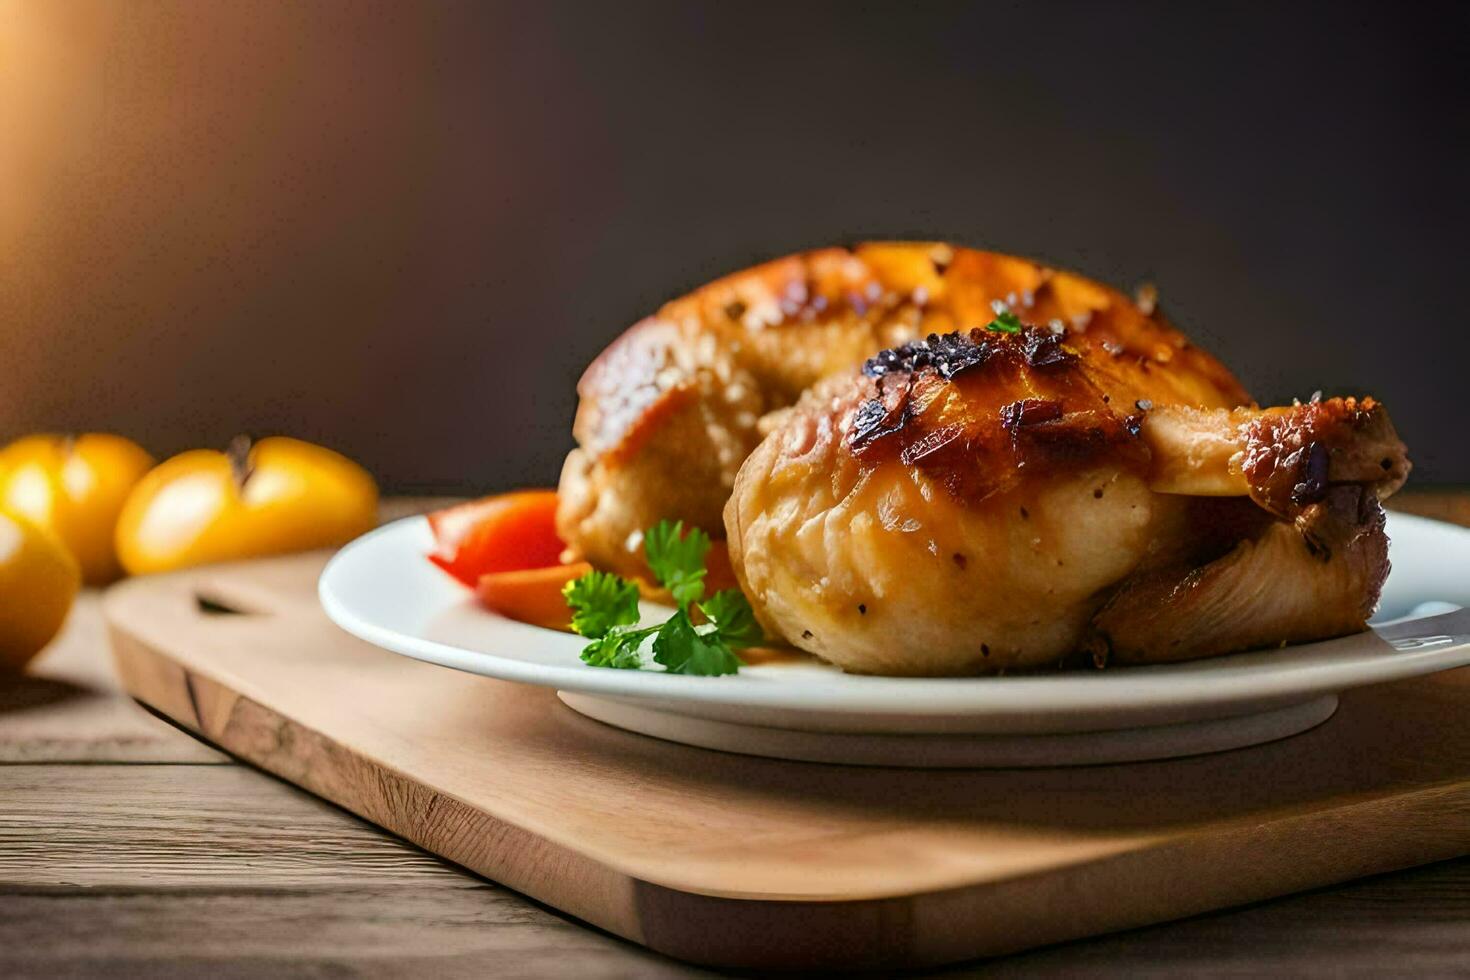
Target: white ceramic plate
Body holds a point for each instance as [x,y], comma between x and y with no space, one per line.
[380,588]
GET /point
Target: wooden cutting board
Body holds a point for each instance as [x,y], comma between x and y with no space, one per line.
[740,861]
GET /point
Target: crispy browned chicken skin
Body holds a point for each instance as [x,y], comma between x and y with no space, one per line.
[1091,488]
[673,407]
[987,501]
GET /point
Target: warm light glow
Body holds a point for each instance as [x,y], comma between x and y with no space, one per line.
[181,509]
[273,484]
[31,493]
[77,476]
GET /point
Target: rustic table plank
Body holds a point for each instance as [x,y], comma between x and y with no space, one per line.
[407,931]
[175,870]
[178,870]
[195,826]
[1411,923]
[69,707]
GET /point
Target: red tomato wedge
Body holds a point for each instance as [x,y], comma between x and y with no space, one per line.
[505,533]
[532,595]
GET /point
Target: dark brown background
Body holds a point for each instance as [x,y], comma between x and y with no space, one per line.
[403,229]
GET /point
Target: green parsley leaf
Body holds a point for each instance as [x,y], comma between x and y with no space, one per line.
[618,648]
[605,610]
[601,601]
[684,650]
[1004,322]
[734,621]
[677,559]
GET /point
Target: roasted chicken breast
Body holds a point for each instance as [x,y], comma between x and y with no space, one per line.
[981,501]
[670,411]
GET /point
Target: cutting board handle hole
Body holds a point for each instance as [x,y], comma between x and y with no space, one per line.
[211,606]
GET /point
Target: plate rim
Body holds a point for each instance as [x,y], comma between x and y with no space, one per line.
[1136,689]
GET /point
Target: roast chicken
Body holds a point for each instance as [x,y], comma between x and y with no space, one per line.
[932,461]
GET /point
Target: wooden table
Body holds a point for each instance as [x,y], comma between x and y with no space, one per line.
[129,848]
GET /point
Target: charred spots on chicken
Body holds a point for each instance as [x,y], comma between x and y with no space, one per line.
[1295,457]
[952,354]
[1311,485]
[960,561]
[1044,349]
[881,416]
[868,423]
[963,437]
[1317,546]
[932,444]
[949,354]
[1340,522]
[890,361]
[735,310]
[862,608]
[1029,411]
[1047,436]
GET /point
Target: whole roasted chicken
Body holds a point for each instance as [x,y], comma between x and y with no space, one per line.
[933,460]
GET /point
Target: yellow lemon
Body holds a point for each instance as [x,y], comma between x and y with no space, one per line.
[38,581]
[272,497]
[74,487]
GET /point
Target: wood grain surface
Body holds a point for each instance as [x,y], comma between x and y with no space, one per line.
[180,868]
[70,708]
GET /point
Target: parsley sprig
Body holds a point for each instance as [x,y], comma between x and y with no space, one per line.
[1005,322]
[601,601]
[605,610]
[677,559]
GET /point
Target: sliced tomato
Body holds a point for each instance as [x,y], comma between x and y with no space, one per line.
[504,533]
[532,595]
